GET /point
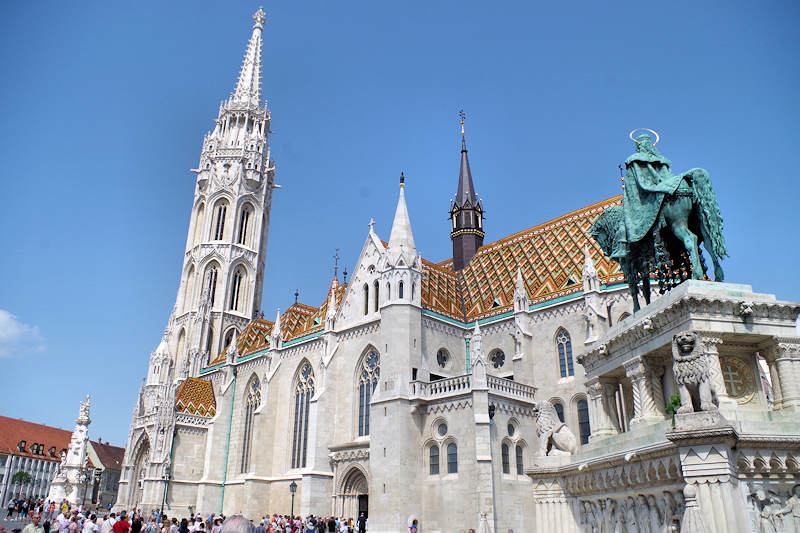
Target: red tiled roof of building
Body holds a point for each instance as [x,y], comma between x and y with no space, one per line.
[110,456]
[14,431]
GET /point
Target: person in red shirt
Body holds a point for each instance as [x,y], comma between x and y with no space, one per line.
[121,525]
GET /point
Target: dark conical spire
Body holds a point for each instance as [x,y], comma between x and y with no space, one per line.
[466,212]
[465,195]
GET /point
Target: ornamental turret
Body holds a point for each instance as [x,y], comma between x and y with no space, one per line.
[466,213]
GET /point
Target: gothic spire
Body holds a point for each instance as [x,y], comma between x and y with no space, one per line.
[466,189]
[401,239]
[248,88]
[466,213]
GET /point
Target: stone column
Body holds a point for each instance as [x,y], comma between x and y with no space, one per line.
[783,357]
[602,407]
[648,396]
[710,344]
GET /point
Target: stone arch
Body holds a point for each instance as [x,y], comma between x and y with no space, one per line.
[353,491]
[141,462]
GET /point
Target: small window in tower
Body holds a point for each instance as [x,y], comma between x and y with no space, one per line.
[400,290]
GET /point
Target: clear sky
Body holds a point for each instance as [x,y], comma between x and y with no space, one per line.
[106,104]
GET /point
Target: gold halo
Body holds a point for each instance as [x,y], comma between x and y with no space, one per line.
[644,129]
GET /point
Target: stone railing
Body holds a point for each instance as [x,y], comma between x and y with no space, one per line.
[429,390]
[510,388]
[463,384]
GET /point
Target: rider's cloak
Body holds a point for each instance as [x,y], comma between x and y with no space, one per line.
[648,179]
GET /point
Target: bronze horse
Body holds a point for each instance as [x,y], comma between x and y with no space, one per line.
[685,219]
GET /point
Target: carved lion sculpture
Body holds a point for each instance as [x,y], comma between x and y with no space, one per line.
[555,438]
[692,374]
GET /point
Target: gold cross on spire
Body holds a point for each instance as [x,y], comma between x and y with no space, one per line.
[462,116]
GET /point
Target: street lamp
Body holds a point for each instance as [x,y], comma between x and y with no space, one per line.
[292,489]
[166,486]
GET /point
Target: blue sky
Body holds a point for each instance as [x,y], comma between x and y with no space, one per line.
[106,104]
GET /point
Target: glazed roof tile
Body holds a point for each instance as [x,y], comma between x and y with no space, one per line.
[550,256]
[196,397]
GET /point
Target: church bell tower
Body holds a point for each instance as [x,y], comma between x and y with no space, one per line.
[466,213]
[223,271]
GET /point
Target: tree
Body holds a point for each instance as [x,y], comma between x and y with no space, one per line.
[21,478]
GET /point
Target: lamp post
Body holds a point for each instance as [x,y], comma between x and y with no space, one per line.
[292,489]
[166,485]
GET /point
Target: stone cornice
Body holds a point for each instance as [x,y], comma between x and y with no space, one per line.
[649,323]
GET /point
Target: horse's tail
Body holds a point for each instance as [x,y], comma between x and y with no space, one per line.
[710,217]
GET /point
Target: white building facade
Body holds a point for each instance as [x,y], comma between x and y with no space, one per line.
[406,393]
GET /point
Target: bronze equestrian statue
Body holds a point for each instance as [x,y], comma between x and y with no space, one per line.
[663,220]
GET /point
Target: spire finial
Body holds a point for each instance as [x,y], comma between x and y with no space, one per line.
[402,179]
[296,295]
[248,87]
[259,18]
[336,264]
[462,117]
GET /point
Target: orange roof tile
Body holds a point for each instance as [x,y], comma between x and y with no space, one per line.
[14,431]
[549,255]
[196,396]
[110,456]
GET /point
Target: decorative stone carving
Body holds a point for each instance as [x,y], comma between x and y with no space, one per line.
[691,369]
[648,396]
[746,308]
[555,438]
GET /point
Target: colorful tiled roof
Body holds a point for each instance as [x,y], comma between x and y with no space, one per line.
[550,256]
[254,337]
[18,437]
[196,397]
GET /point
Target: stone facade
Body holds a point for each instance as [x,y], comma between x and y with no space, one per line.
[645,471]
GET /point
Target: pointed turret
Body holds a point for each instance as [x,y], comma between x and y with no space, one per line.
[466,213]
[521,301]
[590,280]
[248,89]
[401,239]
[276,340]
[330,314]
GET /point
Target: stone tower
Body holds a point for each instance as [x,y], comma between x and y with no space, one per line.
[466,214]
[223,270]
[222,275]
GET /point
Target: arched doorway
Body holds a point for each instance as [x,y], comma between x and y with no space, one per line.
[140,472]
[353,497]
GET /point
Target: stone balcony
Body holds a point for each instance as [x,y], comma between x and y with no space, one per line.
[425,391]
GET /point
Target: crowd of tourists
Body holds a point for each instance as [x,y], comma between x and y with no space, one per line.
[48,517]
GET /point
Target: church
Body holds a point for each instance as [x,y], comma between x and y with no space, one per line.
[406,392]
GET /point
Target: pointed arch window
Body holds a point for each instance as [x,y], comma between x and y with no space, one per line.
[303,391]
[366,298]
[228,338]
[433,463]
[452,458]
[244,225]
[198,223]
[370,371]
[211,284]
[376,294]
[519,460]
[250,405]
[219,221]
[564,344]
[400,290]
[236,289]
[505,459]
[583,421]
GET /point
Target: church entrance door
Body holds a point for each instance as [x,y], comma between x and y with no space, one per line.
[363,505]
[352,497]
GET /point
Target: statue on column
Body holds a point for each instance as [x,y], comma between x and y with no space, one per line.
[692,373]
[662,222]
[71,475]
